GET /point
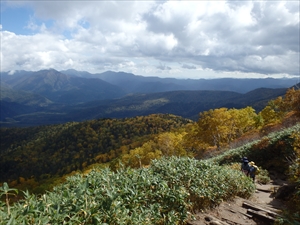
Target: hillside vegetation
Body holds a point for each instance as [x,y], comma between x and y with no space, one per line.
[165,193]
[29,156]
[153,178]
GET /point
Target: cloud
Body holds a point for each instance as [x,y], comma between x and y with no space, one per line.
[188,66]
[163,67]
[155,37]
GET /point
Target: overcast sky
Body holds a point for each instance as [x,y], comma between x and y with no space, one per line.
[181,39]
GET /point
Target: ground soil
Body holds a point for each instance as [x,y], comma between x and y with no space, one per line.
[238,212]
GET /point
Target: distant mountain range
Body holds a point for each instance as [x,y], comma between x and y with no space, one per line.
[50,96]
[138,84]
[61,88]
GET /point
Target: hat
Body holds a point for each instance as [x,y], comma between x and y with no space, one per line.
[251,163]
[245,159]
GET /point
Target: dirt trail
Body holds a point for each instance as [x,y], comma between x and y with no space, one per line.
[260,209]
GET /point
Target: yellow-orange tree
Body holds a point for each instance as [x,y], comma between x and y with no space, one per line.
[290,102]
[270,116]
[214,126]
[218,127]
[243,120]
[170,144]
[276,109]
[192,142]
[141,156]
[165,144]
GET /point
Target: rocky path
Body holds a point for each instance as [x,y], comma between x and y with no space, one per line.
[261,209]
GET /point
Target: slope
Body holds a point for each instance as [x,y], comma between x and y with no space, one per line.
[47,151]
[169,191]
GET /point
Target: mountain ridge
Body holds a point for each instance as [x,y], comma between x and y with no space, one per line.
[51,96]
[62,88]
[242,85]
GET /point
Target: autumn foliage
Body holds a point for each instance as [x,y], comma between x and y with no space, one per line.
[32,156]
[220,127]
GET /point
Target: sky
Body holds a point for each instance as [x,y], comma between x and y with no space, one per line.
[180,39]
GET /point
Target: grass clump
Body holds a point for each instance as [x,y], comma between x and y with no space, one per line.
[165,193]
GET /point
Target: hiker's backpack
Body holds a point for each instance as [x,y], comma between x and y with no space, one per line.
[256,169]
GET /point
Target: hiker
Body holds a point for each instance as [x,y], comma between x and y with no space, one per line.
[245,168]
[253,170]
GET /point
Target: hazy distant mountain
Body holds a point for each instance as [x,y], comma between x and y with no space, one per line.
[187,104]
[49,96]
[139,84]
[132,83]
[62,88]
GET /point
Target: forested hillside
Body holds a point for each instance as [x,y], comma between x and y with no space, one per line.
[37,153]
[168,191]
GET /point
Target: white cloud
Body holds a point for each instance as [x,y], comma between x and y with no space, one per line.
[158,37]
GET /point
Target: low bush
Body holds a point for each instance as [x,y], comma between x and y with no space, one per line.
[165,193]
[263,176]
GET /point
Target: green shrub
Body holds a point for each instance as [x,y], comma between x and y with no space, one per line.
[263,176]
[269,152]
[165,193]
